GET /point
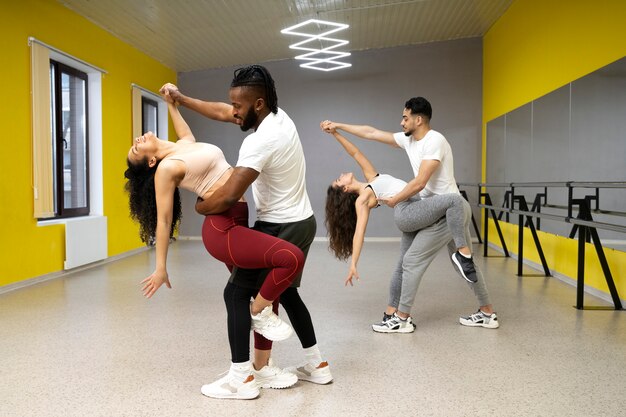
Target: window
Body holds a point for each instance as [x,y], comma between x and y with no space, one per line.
[66,136]
[150,115]
[67,175]
[68,103]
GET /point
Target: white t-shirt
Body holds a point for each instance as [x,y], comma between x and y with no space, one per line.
[274,150]
[432,146]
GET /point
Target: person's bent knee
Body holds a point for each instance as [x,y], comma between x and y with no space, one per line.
[290,257]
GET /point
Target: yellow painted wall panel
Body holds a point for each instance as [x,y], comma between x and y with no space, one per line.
[29,250]
[562,256]
[536,47]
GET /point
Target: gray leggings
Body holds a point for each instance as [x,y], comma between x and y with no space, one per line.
[416,213]
[418,249]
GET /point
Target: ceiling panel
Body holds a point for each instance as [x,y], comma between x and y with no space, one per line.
[189,35]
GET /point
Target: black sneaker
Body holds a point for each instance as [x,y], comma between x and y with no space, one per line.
[465,266]
[386,317]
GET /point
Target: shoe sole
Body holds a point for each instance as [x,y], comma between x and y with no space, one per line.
[460,269]
[394,330]
[472,324]
[275,338]
[320,381]
[250,396]
[269,385]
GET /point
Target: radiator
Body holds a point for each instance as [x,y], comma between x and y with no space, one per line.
[85,240]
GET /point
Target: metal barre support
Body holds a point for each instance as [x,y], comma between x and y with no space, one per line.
[583,223]
[476,230]
[529,222]
[586,230]
[487,198]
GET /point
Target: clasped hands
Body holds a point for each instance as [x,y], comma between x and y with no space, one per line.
[170,93]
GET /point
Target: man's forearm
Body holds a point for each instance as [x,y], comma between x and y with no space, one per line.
[227,195]
[412,188]
[368,133]
[213,110]
[361,131]
[214,204]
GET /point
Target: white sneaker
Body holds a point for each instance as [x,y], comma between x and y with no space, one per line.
[271,376]
[231,387]
[268,324]
[480,319]
[395,324]
[319,374]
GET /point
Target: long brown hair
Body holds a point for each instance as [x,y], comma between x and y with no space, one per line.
[142,199]
[340,221]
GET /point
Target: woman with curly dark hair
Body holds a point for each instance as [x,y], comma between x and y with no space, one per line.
[156,168]
[349,201]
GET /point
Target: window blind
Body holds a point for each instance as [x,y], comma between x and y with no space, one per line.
[43,193]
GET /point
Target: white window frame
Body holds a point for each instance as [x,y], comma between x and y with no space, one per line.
[162,128]
[94,87]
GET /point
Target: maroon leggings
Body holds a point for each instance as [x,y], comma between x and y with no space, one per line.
[227,238]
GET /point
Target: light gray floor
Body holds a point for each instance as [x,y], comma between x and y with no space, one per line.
[89,344]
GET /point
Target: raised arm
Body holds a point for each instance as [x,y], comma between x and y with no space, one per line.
[362,131]
[219,111]
[366,166]
[183,132]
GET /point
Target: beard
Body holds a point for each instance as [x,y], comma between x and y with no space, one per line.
[408,133]
[250,120]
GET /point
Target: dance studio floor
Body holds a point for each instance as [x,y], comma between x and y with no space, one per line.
[89,344]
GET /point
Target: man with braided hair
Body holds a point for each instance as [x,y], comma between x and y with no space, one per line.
[271,159]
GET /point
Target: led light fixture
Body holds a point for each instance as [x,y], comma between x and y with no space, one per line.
[321,55]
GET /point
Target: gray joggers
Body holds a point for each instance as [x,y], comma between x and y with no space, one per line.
[417,251]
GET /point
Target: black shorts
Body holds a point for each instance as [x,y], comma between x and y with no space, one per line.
[299,233]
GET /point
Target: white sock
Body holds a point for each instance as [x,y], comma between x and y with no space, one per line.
[241,370]
[466,256]
[313,355]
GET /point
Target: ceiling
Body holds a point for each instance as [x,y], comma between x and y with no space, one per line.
[190,35]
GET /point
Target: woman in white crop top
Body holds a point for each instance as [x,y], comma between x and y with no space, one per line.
[156,168]
[349,201]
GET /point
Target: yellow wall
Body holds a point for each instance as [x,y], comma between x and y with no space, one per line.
[562,256]
[536,47]
[29,250]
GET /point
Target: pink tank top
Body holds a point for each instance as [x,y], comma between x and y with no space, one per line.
[205,165]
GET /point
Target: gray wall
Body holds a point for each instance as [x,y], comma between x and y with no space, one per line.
[372,91]
[575,133]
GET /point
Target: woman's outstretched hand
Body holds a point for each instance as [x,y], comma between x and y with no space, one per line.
[353,273]
[153,282]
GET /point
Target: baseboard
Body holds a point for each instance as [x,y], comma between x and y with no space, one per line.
[60,274]
[189,238]
[317,239]
[561,277]
[325,239]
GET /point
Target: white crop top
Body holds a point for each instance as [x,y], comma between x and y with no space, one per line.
[385,186]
